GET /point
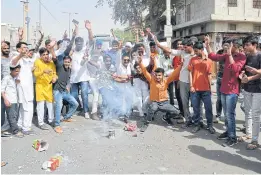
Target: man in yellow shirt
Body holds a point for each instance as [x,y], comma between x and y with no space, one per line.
[159,93]
[45,74]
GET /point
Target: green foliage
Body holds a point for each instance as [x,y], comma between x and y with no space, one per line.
[124,35]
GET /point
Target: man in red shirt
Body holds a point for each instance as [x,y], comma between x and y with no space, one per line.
[200,86]
[230,86]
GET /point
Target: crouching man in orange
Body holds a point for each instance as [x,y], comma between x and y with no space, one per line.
[45,74]
[159,94]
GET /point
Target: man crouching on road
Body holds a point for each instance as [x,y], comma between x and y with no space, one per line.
[159,93]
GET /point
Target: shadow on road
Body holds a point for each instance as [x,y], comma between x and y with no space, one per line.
[226,157]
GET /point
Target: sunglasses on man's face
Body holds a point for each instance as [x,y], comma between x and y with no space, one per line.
[126,60]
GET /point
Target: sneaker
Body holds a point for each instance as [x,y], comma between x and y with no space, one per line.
[144,127]
[5,134]
[211,130]
[167,120]
[230,142]
[52,124]
[95,116]
[196,129]
[44,127]
[180,116]
[187,124]
[58,129]
[243,130]
[202,125]
[86,115]
[217,119]
[223,136]
[181,121]
[30,132]
[19,134]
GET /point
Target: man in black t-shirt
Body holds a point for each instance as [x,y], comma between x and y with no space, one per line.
[252,91]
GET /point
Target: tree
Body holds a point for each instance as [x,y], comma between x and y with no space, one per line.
[126,11]
[130,11]
[124,35]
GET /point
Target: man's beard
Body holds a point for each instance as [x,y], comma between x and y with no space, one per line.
[5,53]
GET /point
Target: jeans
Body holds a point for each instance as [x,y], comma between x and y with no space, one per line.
[163,106]
[84,92]
[2,112]
[185,93]
[218,102]
[12,117]
[229,103]
[58,104]
[252,103]
[171,93]
[177,94]
[197,97]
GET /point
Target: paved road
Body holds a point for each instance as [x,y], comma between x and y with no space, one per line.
[159,150]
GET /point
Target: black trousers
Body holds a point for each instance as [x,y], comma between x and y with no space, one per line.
[178,97]
[2,112]
[171,93]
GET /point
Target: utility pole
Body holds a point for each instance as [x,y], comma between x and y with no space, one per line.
[40,17]
[26,20]
[168,33]
[70,13]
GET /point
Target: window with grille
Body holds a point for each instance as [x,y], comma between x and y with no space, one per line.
[232,27]
[232,3]
[181,33]
[257,28]
[174,34]
[190,31]
[257,4]
[203,28]
[188,12]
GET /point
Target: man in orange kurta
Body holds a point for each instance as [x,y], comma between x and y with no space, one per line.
[159,94]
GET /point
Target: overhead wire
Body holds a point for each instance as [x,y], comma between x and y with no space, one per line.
[49,12]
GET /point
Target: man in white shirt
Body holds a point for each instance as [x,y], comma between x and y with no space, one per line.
[184,85]
[165,62]
[141,90]
[25,88]
[80,75]
[124,89]
[93,66]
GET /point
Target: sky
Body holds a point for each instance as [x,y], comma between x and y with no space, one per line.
[58,22]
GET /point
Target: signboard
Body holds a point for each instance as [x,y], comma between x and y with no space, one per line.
[167,31]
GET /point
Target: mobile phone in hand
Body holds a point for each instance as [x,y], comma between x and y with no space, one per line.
[75,21]
[249,67]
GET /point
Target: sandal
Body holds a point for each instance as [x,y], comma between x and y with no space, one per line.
[253,145]
[69,120]
[244,138]
[58,129]
[3,164]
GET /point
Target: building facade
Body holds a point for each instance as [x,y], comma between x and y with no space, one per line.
[218,18]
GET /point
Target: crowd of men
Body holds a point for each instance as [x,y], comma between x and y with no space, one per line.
[142,75]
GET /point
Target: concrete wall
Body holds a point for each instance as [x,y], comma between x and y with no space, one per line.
[243,12]
[200,9]
[221,26]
